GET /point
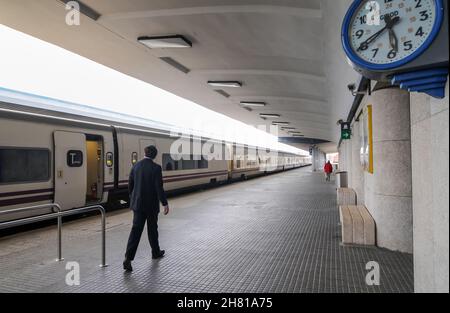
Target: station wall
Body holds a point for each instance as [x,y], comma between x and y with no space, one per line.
[430,185]
[406,187]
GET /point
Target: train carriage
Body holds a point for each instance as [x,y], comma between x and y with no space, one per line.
[76,161]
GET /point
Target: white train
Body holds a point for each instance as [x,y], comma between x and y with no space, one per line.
[78,161]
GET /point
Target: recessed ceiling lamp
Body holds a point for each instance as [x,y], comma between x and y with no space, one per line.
[280,123]
[288,128]
[253,104]
[267,115]
[225,84]
[164,42]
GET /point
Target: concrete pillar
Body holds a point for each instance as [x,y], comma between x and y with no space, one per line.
[344,155]
[430,165]
[318,160]
[314,159]
[391,189]
[348,160]
[356,169]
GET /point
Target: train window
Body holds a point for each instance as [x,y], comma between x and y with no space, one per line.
[169,164]
[203,163]
[134,158]
[188,162]
[24,165]
[109,159]
[74,158]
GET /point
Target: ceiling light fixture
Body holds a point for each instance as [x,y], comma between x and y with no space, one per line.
[164,42]
[253,104]
[267,115]
[223,93]
[225,84]
[288,128]
[280,123]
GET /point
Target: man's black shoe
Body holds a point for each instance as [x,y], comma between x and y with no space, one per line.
[159,255]
[127,266]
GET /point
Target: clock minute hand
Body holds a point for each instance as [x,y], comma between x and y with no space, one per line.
[389,24]
[372,38]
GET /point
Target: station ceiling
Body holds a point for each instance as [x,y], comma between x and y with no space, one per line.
[273,47]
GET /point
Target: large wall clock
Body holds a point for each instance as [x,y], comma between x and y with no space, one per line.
[382,36]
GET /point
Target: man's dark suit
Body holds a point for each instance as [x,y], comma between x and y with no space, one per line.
[146,191]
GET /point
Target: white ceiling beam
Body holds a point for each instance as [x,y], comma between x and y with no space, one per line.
[220,9]
[292,74]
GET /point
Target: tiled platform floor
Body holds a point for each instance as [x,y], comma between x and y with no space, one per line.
[273,234]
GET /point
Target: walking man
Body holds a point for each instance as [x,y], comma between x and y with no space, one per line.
[146,191]
[328,169]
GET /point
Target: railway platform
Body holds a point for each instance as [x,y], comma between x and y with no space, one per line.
[278,233]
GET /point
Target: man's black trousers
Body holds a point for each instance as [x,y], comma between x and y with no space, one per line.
[139,219]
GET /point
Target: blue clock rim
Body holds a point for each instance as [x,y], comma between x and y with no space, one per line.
[354,58]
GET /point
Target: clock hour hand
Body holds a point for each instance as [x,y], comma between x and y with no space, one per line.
[393,40]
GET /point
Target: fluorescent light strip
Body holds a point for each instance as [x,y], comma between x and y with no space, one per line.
[270,115]
[164,42]
[288,128]
[280,123]
[253,104]
[226,84]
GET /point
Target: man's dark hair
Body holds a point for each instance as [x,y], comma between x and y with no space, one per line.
[151,152]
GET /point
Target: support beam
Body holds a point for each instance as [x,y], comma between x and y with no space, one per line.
[219,9]
[291,74]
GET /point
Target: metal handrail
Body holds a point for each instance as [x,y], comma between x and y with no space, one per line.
[59,214]
[34,208]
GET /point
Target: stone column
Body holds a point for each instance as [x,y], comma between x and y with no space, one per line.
[314,159]
[349,160]
[430,165]
[356,171]
[318,160]
[343,156]
[391,199]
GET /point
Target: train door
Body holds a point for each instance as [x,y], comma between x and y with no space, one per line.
[94,164]
[70,169]
[229,159]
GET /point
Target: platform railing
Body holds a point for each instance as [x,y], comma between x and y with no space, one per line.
[58,215]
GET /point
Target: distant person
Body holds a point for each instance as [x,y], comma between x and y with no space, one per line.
[328,169]
[146,191]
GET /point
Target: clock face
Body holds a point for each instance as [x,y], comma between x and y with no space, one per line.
[383,32]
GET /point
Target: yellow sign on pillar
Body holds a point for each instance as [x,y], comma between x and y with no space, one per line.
[366,140]
[370,135]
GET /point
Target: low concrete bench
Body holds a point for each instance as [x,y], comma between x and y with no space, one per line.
[358,226]
[346,196]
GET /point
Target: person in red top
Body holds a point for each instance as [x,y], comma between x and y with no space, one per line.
[328,169]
